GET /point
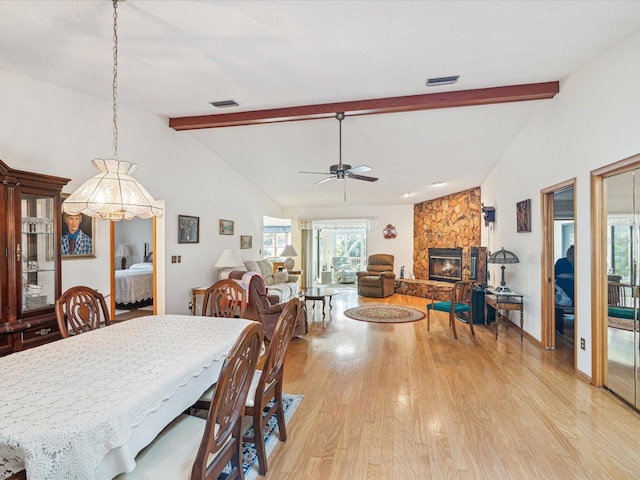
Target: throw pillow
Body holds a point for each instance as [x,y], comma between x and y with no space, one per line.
[252,266]
[280,277]
[266,268]
[268,280]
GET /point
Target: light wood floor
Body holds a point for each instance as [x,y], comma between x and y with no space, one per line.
[393,401]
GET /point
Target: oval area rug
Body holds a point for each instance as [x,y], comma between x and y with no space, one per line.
[384,314]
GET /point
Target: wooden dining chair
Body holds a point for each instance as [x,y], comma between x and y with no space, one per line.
[460,303]
[268,384]
[191,448]
[81,309]
[225,298]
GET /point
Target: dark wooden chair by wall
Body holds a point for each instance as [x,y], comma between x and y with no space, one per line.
[81,309]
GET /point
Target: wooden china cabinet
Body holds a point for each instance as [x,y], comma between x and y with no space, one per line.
[30,268]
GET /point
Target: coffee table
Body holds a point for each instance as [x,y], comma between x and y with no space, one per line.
[315,294]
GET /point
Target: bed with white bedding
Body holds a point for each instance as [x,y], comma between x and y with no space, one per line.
[134,286]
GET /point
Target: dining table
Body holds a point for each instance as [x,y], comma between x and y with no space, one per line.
[83,407]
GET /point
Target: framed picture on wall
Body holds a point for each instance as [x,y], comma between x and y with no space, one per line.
[78,232]
[188,229]
[226,227]
[523,216]
[245,241]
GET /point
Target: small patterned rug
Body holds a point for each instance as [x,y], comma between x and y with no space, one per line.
[621,323]
[249,456]
[384,314]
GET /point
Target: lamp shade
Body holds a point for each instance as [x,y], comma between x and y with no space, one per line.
[289,251]
[123,250]
[502,257]
[228,259]
[112,194]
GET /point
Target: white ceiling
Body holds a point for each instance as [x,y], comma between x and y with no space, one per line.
[176,56]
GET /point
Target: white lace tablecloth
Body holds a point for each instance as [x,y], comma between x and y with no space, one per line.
[66,404]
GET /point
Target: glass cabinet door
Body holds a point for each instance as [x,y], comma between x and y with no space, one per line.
[38,252]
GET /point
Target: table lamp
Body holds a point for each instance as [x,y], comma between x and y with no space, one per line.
[289,251]
[503,257]
[227,260]
[123,251]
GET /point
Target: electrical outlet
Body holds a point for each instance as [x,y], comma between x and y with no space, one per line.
[583,343]
[173,259]
[179,258]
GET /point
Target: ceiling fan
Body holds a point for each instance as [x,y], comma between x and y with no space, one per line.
[342,171]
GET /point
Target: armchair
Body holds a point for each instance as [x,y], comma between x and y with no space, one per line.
[342,270]
[264,309]
[379,279]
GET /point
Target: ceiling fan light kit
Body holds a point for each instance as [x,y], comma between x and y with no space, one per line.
[342,171]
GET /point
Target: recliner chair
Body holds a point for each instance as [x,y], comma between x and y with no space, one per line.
[379,279]
[263,308]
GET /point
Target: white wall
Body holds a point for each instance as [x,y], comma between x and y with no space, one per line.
[591,123]
[56,131]
[400,216]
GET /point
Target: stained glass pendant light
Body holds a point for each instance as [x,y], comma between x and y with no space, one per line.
[113,194]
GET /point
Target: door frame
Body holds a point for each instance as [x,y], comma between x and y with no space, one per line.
[547,278]
[158,249]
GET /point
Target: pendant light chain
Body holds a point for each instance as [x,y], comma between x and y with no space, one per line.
[113,194]
[115,79]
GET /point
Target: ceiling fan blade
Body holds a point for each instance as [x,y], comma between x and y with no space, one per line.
[360,169]
[361,177]
[325,180]
[318,173]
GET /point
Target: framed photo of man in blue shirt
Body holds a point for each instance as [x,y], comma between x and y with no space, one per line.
[78,232]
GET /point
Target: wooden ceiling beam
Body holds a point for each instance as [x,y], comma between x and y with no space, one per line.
[429,101]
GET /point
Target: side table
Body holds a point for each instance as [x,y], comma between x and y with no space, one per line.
[195,291]
[503,302]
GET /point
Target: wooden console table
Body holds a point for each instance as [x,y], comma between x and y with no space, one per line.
[504,301]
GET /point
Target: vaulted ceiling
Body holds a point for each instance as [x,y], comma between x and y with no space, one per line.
[176,56]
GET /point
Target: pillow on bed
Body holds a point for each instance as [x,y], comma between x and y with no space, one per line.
[141,266]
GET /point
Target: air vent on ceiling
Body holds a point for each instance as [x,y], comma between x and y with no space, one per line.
[436,82]
[225,104]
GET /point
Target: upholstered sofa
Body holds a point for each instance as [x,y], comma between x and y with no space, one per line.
[282,284]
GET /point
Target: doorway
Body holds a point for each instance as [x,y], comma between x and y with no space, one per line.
[559,316]
[133,276]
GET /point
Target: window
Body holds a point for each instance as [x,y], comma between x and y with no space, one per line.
[274,239]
